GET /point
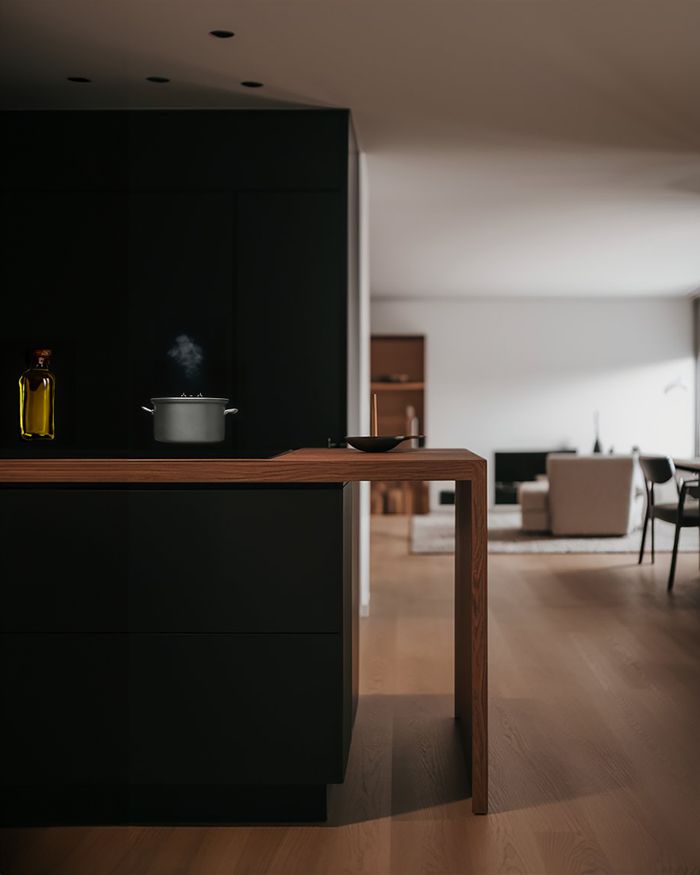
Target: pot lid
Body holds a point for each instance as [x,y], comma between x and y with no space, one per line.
[189,399]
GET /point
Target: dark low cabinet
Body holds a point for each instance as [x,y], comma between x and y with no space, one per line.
[261,560]
[235,709]
[65,712]
[63,560]
[176,644]
[251,560]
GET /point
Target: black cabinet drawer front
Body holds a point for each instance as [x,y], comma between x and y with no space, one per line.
[219,709]
[65,710]
[112,710]
[241,561]
[63,560]
[238,560]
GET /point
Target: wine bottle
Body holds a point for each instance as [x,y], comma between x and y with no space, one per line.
[37,389]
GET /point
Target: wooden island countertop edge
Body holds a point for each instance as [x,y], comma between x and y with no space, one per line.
[297,466]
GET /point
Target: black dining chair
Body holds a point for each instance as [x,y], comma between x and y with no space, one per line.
[657,470]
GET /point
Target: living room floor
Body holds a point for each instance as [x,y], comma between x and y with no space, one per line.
[594,712]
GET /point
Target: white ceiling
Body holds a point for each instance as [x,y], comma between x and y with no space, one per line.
[514,147]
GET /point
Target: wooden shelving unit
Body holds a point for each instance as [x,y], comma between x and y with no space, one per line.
[398,378]
[397,387]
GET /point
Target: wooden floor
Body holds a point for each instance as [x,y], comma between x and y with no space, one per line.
[595,738]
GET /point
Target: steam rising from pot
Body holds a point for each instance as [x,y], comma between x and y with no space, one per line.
[187,354]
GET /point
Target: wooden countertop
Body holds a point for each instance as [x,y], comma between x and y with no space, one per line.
[296,466]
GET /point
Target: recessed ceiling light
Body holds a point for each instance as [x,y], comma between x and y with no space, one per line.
[222,34]
[78,79]
[249,84]
[159,79]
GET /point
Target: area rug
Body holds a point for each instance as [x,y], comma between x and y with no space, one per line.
[435,533]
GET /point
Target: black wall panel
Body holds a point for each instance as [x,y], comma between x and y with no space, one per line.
[65,151]
[126,230]
[198,150]
[292,365]
[238,151]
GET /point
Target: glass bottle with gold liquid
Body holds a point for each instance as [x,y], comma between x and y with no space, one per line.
[37,389]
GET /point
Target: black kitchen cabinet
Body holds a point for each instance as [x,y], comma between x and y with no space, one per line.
[215,649]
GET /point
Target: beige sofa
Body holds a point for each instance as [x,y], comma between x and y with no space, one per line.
[582,495]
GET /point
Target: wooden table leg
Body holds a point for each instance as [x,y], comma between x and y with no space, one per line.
[471,704]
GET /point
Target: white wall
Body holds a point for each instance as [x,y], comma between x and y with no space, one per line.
[359,350]
[529,373]
[364,362]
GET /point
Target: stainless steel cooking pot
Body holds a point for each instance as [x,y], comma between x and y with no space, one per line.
[190,420]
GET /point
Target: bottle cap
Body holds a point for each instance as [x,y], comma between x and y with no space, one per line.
[44,353]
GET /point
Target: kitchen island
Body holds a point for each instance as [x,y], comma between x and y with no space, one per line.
[212,698]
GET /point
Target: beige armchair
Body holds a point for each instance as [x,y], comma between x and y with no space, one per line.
[584,495]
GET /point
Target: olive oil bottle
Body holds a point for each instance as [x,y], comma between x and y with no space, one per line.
[37,389]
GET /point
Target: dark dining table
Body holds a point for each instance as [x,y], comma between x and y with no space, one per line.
[692,465]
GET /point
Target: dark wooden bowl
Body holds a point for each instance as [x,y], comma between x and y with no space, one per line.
[379,443]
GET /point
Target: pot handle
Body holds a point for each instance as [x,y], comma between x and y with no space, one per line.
[147,409]
[230,410]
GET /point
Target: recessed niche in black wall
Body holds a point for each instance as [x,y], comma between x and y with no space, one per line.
[181,302]
[15,358]
[63,274]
